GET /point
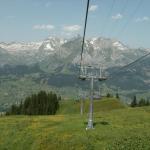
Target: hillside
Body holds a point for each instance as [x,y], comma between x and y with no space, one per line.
[124,129]
[73,107]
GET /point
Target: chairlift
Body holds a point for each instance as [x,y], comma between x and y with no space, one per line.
[101,77]
[82,77]
[83,73]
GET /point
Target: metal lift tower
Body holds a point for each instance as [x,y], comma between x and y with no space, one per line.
[82,99]
[85,75]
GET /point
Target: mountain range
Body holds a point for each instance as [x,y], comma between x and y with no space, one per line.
[107,52]
[54,62]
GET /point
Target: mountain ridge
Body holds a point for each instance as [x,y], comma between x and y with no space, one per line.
[108,52]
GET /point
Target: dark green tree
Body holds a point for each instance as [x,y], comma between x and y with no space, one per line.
[147,102]
[117,96]
[108,95]
[134,102]
[41,103]
[142,102]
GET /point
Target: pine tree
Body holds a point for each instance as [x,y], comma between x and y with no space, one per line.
[41,103]
[142,102]
[108,95]
[117,95]
[134,102]
[147,102]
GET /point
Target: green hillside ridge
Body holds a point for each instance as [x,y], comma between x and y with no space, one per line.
[117,128]
[105,104]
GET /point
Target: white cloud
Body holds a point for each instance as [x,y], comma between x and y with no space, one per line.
[117,16]
[93,8]
[48,4]
[38,3]
[143,19]
[10,17]
[43,27]
[66,34]
[72,28]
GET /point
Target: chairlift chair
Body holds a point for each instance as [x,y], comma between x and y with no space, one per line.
[102,78]
[83,73]
[82,77]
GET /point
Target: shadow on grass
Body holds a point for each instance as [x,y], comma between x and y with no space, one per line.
[98,123]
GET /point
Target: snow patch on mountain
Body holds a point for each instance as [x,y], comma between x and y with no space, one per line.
[93,40]
[20,46]
[49,47]
[52,43]
[119,45]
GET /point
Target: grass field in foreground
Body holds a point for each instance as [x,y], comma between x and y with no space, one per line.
[116,129]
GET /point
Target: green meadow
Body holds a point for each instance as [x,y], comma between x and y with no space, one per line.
[116,127]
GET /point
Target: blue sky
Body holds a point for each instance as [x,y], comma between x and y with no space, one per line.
[34,20]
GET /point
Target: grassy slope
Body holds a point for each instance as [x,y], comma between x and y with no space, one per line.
[73,107]
[126,128]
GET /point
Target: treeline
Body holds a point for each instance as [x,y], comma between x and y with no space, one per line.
[108,95]
[140,103]
[37,104]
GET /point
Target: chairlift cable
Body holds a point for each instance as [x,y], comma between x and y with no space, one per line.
[84,33]
[130,64]
[108,17]
[132,15]
[123,9]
